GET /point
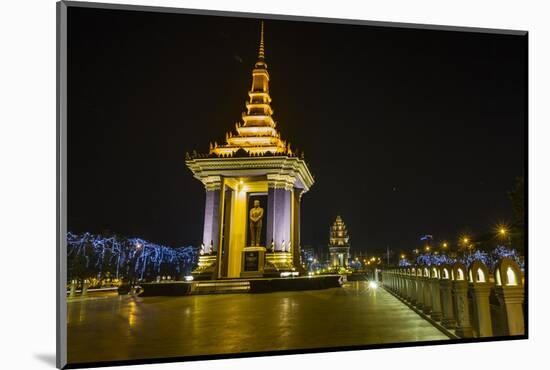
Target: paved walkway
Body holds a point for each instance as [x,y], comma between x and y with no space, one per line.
[123,328]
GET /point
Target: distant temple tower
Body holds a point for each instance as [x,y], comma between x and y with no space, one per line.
[254,183]
[339,244]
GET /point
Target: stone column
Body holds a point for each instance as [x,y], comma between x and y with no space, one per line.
[72,293]
[480,294]
[479,290]
[211,231]
[436,296]
[510,293]
[401,281]
[460,295]
[447,308]
[427,306]
[296,253]
[511,298]
[85,285]
[279,216]
[413,286]
[409,285]
[419,290]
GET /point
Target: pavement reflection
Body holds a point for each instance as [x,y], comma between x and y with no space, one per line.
[122,328]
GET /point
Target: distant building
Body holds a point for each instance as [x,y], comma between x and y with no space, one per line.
[308,254]
[339,244]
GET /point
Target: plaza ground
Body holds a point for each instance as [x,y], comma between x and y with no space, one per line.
[121,327]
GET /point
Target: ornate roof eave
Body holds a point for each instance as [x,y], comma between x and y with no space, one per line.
[203,168]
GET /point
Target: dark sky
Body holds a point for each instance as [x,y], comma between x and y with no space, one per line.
[407,132]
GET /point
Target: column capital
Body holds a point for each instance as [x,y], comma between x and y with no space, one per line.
[280,181]
[212,183]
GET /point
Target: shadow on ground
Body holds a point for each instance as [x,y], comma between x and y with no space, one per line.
[47,358]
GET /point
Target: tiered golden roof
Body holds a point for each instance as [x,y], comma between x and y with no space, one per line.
[339,232]
[257,133]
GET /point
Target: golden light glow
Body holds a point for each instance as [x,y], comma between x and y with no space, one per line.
[427,248]
[402,256]
[502,229]
[445,245]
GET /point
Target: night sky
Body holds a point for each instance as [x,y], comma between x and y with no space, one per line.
[407,132]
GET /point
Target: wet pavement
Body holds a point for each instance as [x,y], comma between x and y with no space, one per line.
[122,328]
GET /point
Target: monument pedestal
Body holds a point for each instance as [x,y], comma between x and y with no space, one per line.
[206,268]
[253,261]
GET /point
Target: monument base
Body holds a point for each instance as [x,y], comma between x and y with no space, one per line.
[277,262]
[206,267]
[253,262]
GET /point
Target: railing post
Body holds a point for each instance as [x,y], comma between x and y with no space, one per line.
[403,283]
[480,288]
[509,291]
[72,293]
[414,287]
[408,287]
[460,294]
[85,284]
[436,296]
[427,301]
[419,289]
[447,308]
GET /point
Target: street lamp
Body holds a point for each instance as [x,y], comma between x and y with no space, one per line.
[138,247]
[505,233]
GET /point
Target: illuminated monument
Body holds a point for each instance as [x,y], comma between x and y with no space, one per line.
[339,244]
[254,183]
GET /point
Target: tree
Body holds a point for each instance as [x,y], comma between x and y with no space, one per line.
[517,198]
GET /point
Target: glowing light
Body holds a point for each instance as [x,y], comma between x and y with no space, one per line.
[373,284]
[444,245]
[188,278]
[480,276]
[511,275]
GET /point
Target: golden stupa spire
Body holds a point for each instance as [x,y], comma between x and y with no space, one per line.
[261,51]
[256,134]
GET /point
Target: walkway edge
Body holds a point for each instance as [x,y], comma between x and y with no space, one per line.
[440,327]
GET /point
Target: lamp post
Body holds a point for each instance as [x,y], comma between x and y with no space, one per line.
[505,233]
[138,247]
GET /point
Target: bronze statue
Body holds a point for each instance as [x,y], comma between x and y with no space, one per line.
[256,214]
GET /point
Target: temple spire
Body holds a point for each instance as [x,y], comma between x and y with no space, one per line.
[261,51]
[257,133]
